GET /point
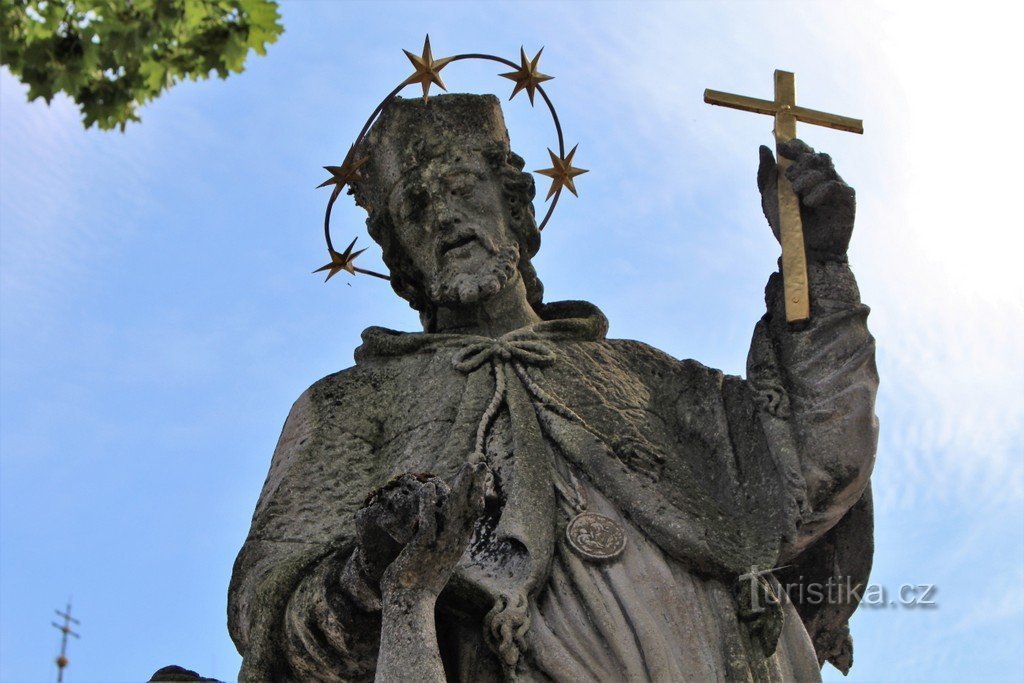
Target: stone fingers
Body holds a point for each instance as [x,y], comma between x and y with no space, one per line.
[802,182]
[827,191]
[795,149]
[812,161]
[480,476]
[464,505]
[814,179]
[431,499]
[765,169]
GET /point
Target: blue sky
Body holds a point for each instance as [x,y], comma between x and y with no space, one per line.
[158,316]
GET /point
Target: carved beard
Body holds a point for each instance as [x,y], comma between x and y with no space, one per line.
[451,285]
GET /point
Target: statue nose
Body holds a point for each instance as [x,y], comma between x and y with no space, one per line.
[446,219]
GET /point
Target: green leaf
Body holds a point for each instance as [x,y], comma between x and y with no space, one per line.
[111,56]
[155,75]
[195,14]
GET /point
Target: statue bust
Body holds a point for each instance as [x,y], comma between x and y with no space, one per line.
[508,494]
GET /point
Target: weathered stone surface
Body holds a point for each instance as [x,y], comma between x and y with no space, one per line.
[412,525]
[177,673]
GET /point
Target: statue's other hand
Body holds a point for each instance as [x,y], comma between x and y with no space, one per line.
[445,517]
[386,524]
[827,203]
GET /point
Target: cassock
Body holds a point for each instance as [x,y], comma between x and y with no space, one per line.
[711,480]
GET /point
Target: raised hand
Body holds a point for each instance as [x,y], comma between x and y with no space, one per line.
[827,203]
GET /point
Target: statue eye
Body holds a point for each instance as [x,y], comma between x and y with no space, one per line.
[415,204]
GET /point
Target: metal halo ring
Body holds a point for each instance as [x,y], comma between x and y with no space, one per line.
[388,99]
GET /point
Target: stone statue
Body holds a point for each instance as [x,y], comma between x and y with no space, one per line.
[511,495]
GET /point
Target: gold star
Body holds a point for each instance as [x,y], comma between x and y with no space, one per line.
[562,173]
[340,175]
[340,262]
[428,69]
[527,77]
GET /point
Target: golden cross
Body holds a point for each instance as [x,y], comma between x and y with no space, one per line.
[791,231]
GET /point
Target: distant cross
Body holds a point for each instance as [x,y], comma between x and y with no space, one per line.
[791,232]
[65,630]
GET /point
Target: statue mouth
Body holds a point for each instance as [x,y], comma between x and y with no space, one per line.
[458,242]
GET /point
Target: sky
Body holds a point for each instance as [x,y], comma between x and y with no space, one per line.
[158,316]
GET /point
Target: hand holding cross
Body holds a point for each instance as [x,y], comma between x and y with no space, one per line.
[787,113]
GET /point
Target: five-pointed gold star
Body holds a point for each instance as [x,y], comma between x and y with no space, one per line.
[340,262]
[340,175]
[562,173]
[527,77]
[428,69]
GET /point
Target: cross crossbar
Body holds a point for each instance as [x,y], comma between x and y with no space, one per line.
[801,114]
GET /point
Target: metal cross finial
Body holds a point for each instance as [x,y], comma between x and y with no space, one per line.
[65,629]
[791,234]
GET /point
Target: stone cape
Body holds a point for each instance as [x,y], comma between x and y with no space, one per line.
[691,457]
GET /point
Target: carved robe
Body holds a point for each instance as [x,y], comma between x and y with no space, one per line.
[711,477]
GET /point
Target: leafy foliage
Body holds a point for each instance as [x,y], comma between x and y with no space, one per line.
[111,56]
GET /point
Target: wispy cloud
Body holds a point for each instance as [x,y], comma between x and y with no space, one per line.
[39,151]
[67,199]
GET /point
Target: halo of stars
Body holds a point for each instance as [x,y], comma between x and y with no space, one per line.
[427,72]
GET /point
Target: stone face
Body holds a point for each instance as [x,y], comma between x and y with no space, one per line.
[414,520]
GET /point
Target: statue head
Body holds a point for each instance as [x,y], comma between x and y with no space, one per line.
[448,202]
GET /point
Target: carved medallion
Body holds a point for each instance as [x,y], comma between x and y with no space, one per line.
[595,537]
